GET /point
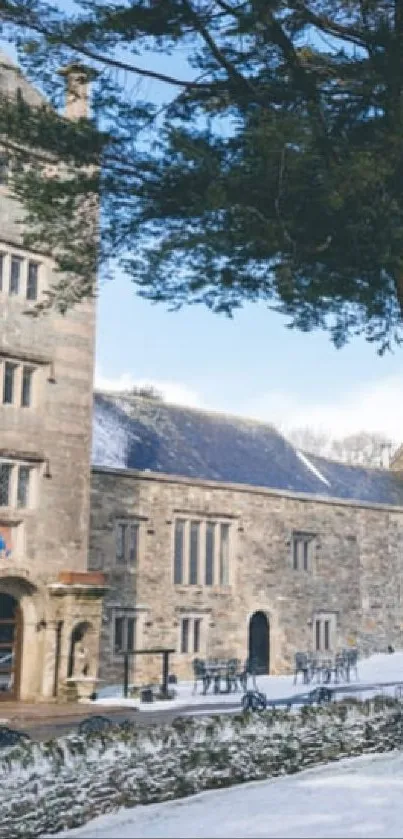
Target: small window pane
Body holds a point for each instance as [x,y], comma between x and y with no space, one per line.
[134,543]
[210,532]
[24,473]
[305,554]
[26,386]
[32,281]
[131,625]
[1,271]
[224,555]
[196,635]
[317,636]
[5,481]
[8,384]
[295,554]
[178,551]
[194,553]
[185,635]
[15,275]
[118,635]
[327,635]
[120,542]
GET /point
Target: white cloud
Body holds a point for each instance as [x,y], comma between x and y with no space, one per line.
[375,407]
[171,391]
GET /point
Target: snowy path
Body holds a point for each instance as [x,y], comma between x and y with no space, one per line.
[382,667]
[353,798]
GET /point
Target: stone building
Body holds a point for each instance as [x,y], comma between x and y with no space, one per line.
[209,534]
[219,539]
[49,604]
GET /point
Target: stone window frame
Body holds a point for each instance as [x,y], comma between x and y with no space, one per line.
[324,632]
[139,613]
[16,467]
[138,522]
[7,255]
[218,582]
[302,555]
[125,615]
[193,618]
[19,367]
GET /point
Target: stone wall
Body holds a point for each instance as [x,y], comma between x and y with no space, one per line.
[52,787]
[354,575]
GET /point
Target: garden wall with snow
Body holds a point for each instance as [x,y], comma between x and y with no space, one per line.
[48,787]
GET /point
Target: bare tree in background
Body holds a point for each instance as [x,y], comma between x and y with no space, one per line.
[363,448]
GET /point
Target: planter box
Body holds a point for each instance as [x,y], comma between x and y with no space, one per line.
[82,578]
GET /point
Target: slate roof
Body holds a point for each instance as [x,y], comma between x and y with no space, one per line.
[132,432]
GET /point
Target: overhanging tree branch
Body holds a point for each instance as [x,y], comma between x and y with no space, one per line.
[218,54]
[304,80]
[350,34]
[202,214]
[103,59]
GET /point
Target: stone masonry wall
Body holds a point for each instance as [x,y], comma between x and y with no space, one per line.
[355,572]
[53,434]
[58,426]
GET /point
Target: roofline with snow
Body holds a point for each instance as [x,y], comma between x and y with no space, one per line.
[239,419]
[244,488]
[116,394]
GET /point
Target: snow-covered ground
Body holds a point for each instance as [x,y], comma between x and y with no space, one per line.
[353,798]
[377,668]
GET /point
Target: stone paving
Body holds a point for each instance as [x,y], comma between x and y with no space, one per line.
[51,719]
[44,721]
[26,712]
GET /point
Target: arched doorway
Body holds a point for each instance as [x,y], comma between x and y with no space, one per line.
[10,647]
[259,642]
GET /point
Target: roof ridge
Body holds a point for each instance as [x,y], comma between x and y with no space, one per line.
[194,409]
[210,445]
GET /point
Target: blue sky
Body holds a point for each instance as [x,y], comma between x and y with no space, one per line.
[251,365]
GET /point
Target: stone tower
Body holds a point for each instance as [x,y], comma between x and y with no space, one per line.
[48,602]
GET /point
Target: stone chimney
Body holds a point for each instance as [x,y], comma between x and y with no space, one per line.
[78,79]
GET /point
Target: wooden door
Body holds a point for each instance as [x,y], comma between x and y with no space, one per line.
[259,643]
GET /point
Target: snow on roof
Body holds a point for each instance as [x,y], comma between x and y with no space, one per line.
[313,468]
[133,432]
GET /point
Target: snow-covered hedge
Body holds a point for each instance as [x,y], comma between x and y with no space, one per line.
[46,787]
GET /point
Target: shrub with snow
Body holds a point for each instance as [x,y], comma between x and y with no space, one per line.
[48,787]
